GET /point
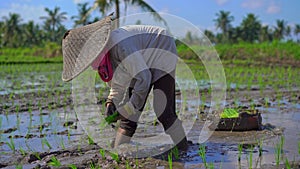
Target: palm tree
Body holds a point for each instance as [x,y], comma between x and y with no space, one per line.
[265,34]
[297,30]
[83,17]
[105,5]
[288,31]
[53,21]
[223,22]
[12,31]
[1,33]
[235,34]
[280,29]
[210,35]
[32,34]
[250,28]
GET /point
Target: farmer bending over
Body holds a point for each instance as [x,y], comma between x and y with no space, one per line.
[133,60]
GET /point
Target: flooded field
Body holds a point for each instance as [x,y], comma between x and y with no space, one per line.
[39,127]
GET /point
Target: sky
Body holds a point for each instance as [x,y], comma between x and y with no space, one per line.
[200,13]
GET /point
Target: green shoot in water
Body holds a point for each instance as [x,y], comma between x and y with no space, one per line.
[202,153]
[72,166]
[62,144]
[299,147]
[127,165]
[54,162]
[279,150]
[260,148]
[22,151]
[251,157]
[102,153]
[92,166]
[115,157]
[19,166]
[45,142]
[170,160]
[175,152]
[90,141]
[11,144]
[287,164]
[211,165]
[37,155]
[240,149]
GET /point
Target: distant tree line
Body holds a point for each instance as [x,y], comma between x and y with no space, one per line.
[14,33]
[250,30]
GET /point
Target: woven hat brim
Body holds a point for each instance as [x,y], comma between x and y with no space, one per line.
[81,46]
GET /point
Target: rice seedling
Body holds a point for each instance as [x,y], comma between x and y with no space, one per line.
[90,141]
[240,149]
[22,151]
[92,165]
[1,119]
[54,162]
[102,153]
[62,143]
[211,165]
[11,144]
[202,153]
[17,108]
[46,142]
[170,160]
[250,160]
[260,150]
[127,165]
[115,156]
[18,122]
[287,164]
[37,155]
[299,147]
[19,166]
[72,166]
[136,162]
[175,152]
[278,149]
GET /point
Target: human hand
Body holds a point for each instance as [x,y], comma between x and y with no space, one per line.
[112,115]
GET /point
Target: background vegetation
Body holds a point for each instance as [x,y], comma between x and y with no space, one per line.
[29,42]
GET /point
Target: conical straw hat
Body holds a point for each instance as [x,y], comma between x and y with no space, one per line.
[81,46]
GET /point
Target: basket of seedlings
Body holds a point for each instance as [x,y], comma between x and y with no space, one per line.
[239,120]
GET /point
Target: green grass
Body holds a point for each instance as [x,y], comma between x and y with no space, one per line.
[248,51]
[244,52]
[51,52]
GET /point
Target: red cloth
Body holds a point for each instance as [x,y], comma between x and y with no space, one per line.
[105,68]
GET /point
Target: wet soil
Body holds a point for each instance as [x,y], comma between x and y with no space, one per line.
[34,132]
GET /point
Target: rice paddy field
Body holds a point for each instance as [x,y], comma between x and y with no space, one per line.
[39,127]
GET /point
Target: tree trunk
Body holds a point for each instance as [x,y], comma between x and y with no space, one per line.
[117,13]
